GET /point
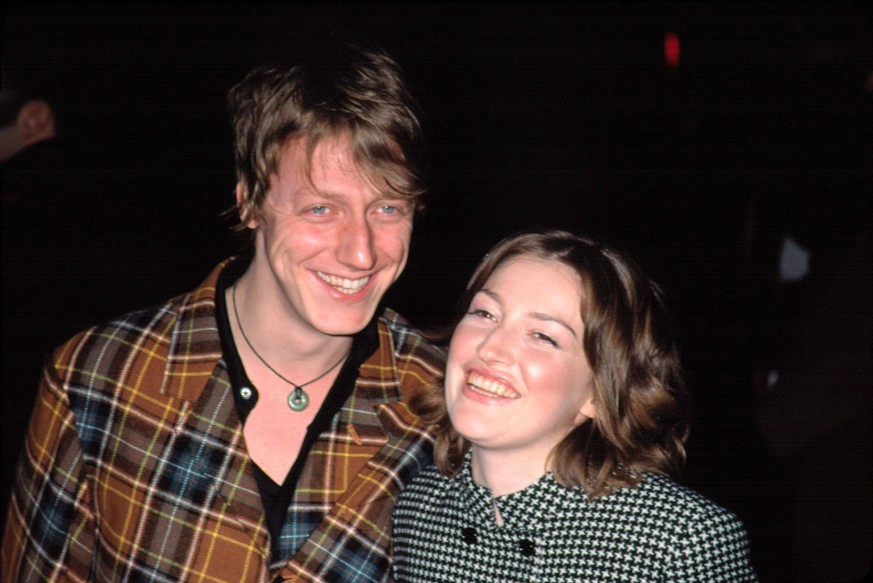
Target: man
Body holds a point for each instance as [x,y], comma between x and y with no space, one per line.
[255,429]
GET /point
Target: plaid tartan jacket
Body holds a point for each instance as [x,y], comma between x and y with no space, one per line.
[135,467]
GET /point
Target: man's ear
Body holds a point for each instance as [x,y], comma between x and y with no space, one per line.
[36,121]
[245,207]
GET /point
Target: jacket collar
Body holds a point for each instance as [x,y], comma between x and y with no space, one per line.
[195,345]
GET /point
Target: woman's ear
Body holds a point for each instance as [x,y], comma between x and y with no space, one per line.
[588,411]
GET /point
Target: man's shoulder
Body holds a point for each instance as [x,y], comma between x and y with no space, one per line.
[409,340]
[143,329]
[180,328]
[418,362]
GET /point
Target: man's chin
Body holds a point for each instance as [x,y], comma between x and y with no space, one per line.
[347,326]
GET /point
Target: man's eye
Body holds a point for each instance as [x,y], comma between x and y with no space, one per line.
[394,209]
[318,210]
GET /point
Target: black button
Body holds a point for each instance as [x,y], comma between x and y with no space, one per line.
[469,535]
[527,547]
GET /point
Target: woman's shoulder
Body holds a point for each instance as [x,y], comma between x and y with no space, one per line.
[427,482]
[660,500]
[663,490]
[428,492]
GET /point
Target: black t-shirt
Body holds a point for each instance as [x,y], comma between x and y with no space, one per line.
[277,497]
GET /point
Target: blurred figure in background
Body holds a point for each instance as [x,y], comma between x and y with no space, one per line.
[814,394]
[43,196]
[25,120]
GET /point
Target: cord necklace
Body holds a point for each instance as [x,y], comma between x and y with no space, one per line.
[298,399]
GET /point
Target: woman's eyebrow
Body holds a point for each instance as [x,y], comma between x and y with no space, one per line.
[491,294]
[543,316]
[550,318]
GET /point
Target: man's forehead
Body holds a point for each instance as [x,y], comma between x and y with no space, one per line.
[308,154]
[312,161]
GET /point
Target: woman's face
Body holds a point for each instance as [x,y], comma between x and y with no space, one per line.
[517,378]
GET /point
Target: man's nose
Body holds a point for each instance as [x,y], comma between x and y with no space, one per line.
[356,246]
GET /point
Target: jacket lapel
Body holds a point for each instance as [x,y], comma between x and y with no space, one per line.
[208,467]
[375,445]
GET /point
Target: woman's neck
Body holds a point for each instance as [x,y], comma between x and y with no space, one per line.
[506,472]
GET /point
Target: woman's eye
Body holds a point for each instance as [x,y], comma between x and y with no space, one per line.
[545,338]
[481,313]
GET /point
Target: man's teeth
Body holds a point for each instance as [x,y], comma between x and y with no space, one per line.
[343,285]
[482,385]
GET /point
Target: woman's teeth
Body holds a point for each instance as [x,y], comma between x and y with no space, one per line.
[490,387]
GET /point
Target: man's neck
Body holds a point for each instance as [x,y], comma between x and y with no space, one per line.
[277,335]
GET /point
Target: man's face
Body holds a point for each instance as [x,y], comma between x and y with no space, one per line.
[329,243]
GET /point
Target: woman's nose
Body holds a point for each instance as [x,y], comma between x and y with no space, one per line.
[495,346]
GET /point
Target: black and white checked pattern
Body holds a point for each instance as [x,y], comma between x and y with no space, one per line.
[444,531]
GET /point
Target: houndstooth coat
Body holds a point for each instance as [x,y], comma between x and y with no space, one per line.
[444,531]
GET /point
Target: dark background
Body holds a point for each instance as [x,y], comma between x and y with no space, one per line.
[556,115]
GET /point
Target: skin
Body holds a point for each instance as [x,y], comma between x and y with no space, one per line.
[517,378]
[35,122]
[328,245]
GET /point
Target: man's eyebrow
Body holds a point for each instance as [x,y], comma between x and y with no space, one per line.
[328,194]
[332,195]
[394,197]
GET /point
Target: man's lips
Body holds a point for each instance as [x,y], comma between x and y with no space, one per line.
[343,284]
[490,387]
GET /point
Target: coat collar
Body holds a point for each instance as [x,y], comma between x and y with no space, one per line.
[527,509]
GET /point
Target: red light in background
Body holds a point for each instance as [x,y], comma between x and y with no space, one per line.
[671,50]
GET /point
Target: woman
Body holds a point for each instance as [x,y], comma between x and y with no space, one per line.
[559,430]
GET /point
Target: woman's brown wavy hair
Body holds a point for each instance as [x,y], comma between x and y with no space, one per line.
[639,394]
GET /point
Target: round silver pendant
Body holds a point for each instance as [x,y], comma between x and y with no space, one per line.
[298,400]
